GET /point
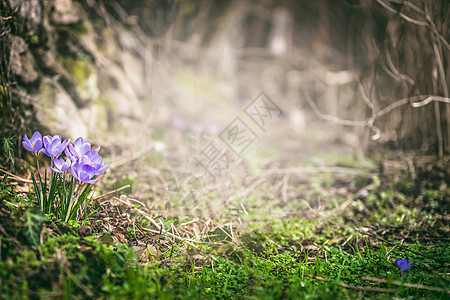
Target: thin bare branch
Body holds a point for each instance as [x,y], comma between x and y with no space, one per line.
[111,192]
[330,117]
[410,285]
[415,101]
[15,177]
[309,170]
[395,72]
[427,18]
[400,246]
[402,15]
[352,287]
[364,95]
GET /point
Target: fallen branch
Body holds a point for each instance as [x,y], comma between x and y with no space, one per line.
[403,247]
[15,177]
[111,192]
[352,287]
[309,170]
[410,285]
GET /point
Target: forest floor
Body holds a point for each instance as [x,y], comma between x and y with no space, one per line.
[296,216]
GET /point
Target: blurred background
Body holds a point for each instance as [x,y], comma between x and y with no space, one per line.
[156,81]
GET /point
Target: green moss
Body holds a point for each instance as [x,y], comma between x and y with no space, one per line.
[71,31]
[102,43]
[85,75]
[100,109]
[106,103]
[81,69]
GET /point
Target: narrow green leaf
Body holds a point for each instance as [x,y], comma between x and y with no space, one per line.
[80,200]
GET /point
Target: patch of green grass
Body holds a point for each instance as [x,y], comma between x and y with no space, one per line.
[334,254]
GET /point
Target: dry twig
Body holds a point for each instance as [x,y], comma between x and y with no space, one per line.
[15,177]
[111,192]
[410,285]
[352,287]
[403,247]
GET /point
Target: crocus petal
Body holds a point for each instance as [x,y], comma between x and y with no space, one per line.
[27,146]
[97,162]
[37,145]
[78,144]
[66,165]
[74,170]
[36,135]
[47,139]
[57,162]
[56,138]
[34,144]
[84,176]
[102,170]
[70,152]
[56,170]
[26,139]
[92,181]
[26,143]
[80,147]
[88,169]
[85,148]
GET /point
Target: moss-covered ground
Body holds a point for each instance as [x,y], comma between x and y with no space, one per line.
[337,238]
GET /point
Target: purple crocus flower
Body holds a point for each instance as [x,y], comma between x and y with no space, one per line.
[79,148]
[34,144]
[84,172]
[93,159]
[53,147]
[61,166]
[404,264]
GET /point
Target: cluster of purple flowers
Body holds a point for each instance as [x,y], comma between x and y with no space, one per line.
[84,163]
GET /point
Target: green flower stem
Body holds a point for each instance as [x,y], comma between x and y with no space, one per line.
[51,173]
[40,183]
[73,199]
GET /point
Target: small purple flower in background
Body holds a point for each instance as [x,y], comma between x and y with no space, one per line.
[53,147]
[84,172]
[61,166]
[179,123]
[199,128]
[34,144]
[403,265]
